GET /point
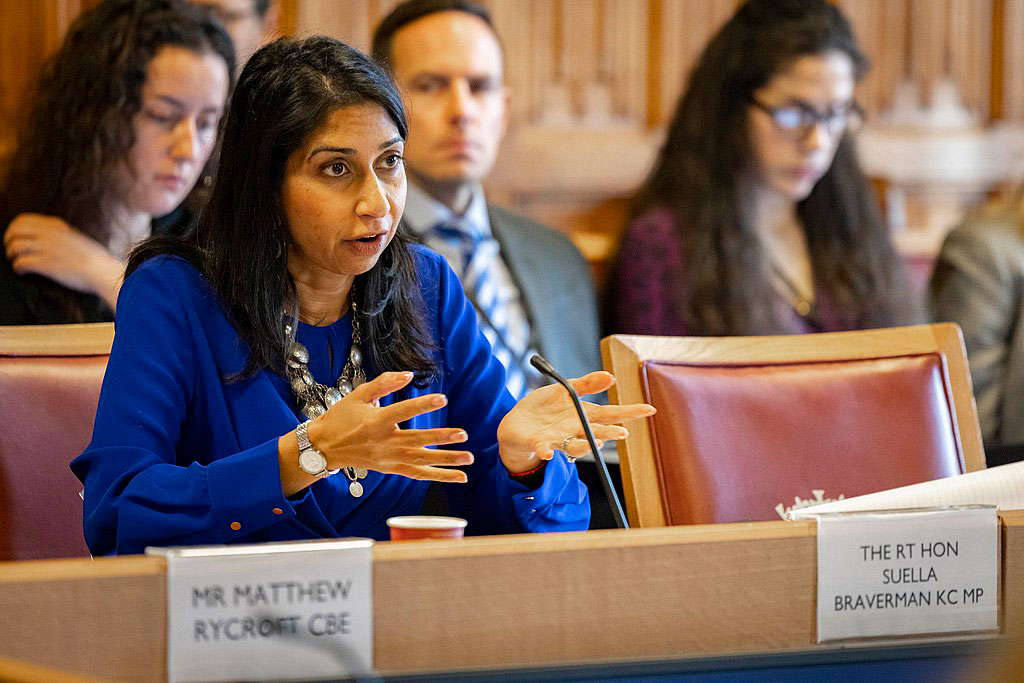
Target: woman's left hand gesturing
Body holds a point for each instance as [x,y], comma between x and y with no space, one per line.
[545,418]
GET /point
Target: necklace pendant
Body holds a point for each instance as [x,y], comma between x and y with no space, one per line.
[299,353]
[332,396]
[315,399]
[355,488]
[361,473]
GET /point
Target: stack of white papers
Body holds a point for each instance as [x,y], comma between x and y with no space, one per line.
[1001,486]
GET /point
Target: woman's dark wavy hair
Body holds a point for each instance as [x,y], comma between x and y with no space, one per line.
[284,95]
[77,126]
[699,177]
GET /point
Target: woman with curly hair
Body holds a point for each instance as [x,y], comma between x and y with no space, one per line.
[757,218]
[123,121]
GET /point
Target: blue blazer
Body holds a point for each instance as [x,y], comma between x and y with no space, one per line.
[181,456]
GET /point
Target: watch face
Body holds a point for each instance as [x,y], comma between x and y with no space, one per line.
[312,462]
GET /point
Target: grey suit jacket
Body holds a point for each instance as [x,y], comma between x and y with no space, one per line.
[979,283]
[557,289]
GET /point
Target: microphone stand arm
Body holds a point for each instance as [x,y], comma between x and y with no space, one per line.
[606,479]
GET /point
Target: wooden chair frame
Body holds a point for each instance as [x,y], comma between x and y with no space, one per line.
[624,356]
[86,339]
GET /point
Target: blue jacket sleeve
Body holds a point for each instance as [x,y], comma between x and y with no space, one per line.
[142,486]
[474,381]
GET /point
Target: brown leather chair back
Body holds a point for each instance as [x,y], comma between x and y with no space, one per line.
[749,427]
[50,379]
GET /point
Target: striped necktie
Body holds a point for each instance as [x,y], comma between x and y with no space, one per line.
[505,327]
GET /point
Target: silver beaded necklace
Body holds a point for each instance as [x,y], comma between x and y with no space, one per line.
[314,398]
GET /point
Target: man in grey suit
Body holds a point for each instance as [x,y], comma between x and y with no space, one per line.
[978,283]
[532,290]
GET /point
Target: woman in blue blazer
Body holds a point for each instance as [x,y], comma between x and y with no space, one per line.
[295,290]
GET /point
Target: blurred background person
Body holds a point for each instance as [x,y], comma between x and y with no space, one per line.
[978,283]
[250,23]
[531,288]
[121,127]
[756,218]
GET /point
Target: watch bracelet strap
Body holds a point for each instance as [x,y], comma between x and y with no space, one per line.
[302,436]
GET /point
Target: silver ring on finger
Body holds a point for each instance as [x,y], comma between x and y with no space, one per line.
[565,448]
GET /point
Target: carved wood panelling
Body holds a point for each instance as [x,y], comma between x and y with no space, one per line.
[30,31]
[679,30]
[615,60]
[925,40]
[881,31]
[623,60]
[1013,60]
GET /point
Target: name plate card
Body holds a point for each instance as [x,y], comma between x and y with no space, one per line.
[896,573]
[296,610]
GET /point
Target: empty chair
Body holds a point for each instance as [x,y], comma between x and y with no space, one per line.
[50,378]
[749,427]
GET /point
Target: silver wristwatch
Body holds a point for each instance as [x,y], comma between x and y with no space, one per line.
[311,461]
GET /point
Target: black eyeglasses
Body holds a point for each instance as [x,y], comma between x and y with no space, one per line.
[798,119]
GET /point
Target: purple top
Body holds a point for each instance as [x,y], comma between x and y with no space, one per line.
[642,298]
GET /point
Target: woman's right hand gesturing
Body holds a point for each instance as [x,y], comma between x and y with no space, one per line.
[357,432]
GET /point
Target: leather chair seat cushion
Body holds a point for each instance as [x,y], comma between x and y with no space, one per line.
[47,409]
[744,442]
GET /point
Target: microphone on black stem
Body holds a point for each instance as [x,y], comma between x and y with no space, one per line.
[548,370]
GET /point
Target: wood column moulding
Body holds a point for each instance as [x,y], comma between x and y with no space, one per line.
[1013,60]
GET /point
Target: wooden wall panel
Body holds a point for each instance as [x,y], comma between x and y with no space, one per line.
[881,31]
[970,35]
[679,28]
[928,40]
[29,32]
[1013,60]
[604,60]
[925,40]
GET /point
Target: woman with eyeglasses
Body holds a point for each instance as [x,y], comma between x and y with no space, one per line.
[756,218]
